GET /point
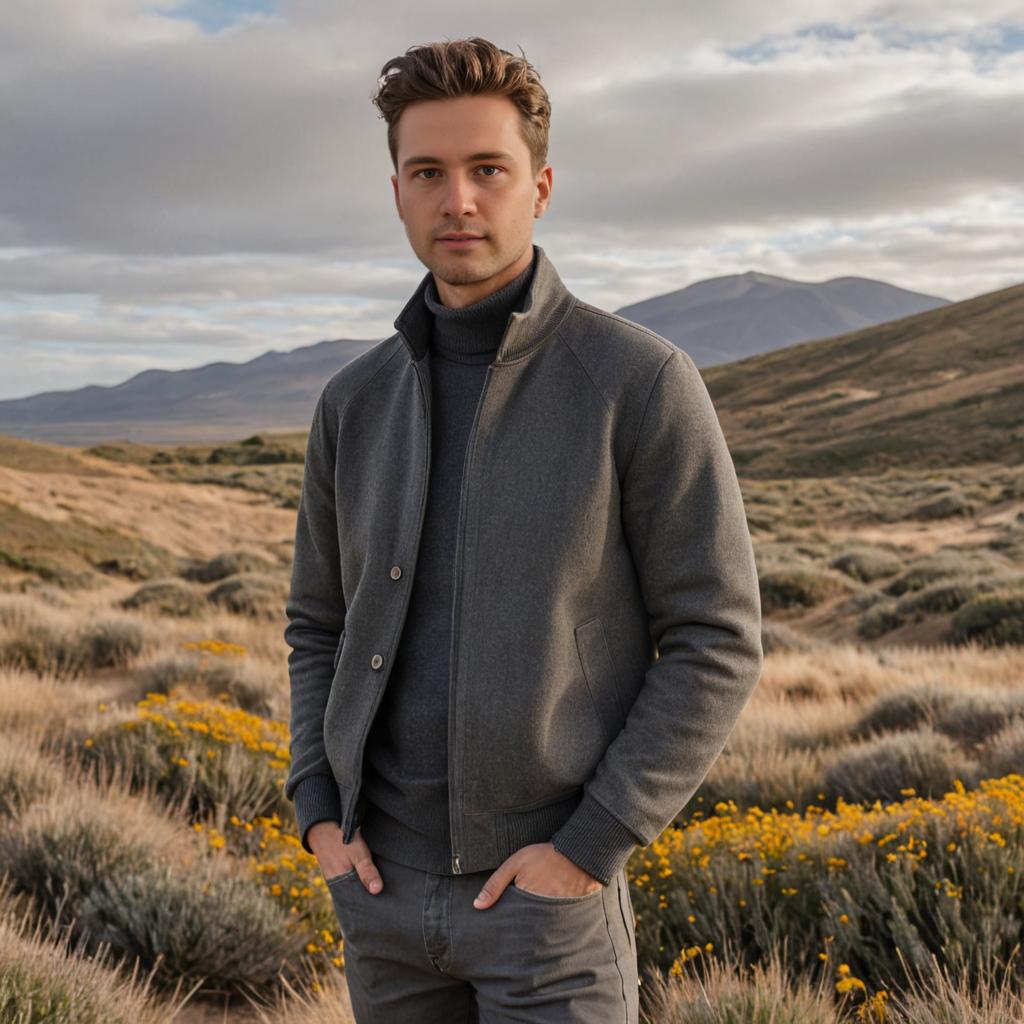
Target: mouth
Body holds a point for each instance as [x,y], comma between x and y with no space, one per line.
[458,240]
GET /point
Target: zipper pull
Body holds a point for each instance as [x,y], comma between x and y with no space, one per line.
[456,867]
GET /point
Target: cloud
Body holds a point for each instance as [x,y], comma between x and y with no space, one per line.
[213,179]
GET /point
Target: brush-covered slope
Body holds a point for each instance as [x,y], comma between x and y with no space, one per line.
[939,388]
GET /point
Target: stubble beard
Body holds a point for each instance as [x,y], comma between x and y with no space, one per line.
[452,270]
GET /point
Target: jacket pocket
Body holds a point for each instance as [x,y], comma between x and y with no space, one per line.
[599,670]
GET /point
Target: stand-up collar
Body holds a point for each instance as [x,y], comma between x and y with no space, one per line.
[546,304]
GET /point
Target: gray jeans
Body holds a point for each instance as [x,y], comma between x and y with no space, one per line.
[419,952]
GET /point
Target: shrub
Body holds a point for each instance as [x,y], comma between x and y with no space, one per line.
[940,878]
[862,600]
[220,930]
[1004,753]
[949,595]
[699,989]
[976,716]
[906,709]
[952,503]
[228,563]
[787,588]
[878,620]
[44,647]
[224,678]
[114,642]
[166,597]
[25,776]
[944,996]
[925,762]
[42,980]
[58,863]
[68,651]
[991,619]
[767,777]
[251,594]
[946,563]
[867,564]
[204,753]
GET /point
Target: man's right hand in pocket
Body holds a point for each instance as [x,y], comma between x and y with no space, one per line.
[336,857]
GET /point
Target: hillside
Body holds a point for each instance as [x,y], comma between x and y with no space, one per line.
[940,388]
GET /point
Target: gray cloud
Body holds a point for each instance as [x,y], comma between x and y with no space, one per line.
[216,195]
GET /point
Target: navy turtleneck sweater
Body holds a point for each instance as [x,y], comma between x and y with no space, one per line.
[405,766]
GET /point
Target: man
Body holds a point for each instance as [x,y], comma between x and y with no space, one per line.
[524,613]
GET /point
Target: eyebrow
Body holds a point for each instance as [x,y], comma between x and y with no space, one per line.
[494,155]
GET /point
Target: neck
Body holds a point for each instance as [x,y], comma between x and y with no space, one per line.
[473,333]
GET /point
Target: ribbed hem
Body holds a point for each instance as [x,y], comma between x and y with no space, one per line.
[392,838]
[595,840]
[316,799]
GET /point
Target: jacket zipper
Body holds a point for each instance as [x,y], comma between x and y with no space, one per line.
[454,792]
[347,835]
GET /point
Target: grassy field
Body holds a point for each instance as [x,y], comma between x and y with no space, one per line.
[857,853]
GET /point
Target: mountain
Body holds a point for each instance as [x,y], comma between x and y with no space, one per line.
[940,388]
[723,319]
[713,320]
[274,391]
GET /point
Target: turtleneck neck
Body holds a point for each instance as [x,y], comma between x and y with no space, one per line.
[473,333]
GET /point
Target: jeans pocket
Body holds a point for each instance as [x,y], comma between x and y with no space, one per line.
[351,873]
[554,900]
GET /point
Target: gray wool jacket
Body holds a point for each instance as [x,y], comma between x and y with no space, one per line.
[606,624]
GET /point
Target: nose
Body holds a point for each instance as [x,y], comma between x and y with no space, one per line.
[458,198]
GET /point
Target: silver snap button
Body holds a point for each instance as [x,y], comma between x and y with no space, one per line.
[376,661]
[396,571]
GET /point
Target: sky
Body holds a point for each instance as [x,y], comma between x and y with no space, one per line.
[184,181]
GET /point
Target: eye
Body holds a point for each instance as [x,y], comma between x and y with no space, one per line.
[489,167]
[425,169]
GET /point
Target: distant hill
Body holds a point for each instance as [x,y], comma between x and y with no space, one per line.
[941,388]
[727,318]
[274,391]
[714,320]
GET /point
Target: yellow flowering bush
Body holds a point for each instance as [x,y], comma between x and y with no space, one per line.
[234,764]
[843,887]
[221,759]
[288,874]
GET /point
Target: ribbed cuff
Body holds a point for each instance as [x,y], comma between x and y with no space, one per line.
[595,840]
[316,799]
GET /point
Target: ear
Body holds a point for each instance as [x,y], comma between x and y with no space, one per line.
[542,191]
[398,202]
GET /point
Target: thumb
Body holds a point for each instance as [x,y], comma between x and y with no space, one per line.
[365,867]
[372,879]
[492,889]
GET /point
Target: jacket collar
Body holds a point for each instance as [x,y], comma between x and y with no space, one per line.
[545,306]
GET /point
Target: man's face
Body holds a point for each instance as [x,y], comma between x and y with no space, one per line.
[463,167]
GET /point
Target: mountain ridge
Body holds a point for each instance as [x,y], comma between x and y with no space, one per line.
[276,390]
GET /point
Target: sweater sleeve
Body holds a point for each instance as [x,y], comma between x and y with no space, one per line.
[684,521]
[316,799]
[315,610]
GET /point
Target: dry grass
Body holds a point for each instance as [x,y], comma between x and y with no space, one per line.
[820,680]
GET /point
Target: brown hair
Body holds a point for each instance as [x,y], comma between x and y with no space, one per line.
[465,67]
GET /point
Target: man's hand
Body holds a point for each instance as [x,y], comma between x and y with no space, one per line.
[540,869]
[336,857]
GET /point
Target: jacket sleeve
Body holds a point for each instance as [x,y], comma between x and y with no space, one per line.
[685,524]
[315,610]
